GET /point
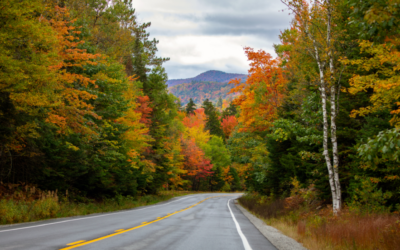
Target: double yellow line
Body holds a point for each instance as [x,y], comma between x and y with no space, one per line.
[121,231]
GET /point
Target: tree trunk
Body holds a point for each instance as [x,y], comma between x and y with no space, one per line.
[338,196]
[317,49]
[332,179]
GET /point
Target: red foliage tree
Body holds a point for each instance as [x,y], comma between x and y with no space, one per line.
[195,162]
[145,109]
[228,125]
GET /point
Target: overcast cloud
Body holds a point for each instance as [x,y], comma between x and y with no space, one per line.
[201,35]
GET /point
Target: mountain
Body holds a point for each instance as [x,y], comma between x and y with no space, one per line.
[199,91]
[208,76]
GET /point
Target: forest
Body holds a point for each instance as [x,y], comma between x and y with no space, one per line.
[85,107]
[85,113]
[320,125]
[325,111]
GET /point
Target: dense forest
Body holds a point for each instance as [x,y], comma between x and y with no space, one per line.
[84,106]
[324,113]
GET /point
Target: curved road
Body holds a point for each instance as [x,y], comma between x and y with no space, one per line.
[194,222]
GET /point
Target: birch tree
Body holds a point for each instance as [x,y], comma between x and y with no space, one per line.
[315,22]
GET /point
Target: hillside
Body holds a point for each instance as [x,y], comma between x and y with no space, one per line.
[199,91]
[208,76]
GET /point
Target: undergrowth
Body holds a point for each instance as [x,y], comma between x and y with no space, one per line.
[24,203]
[314,225]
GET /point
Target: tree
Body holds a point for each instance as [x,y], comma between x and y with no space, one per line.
[381,75]
[195,128]
[28,76]
[262,93]
[231,110]
[219,103]
[190,107]
[318,32]
[228,125]
[212,122]
[196,164]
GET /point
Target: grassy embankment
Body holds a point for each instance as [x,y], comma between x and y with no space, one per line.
[317,228]
[24,203]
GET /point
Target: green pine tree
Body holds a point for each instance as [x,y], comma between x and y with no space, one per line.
[190,107]
[213,123]
[231,110]
[219,103]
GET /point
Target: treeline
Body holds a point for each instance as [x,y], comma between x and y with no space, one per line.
[199,91]
[84,106]
[325,112]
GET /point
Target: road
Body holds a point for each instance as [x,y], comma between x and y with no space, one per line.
[194,222]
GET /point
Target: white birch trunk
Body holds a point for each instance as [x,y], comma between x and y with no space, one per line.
[333,169]
[331,173]
[338,196]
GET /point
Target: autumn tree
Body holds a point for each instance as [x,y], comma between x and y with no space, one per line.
[28,78]
[262,93]
[228,125]
[196,164]
[317,25]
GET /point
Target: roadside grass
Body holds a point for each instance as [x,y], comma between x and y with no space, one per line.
[24,203]
[319,229]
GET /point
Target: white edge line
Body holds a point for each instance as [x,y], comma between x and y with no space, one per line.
[244,240]
[42,225]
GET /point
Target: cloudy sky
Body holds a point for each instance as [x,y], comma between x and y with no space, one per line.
[201,35]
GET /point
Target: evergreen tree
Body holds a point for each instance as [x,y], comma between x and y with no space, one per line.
[231,110]
[213,123]
[217,180]
[207,106]
[190,107]
[219,103]
[235,186]
[149,69]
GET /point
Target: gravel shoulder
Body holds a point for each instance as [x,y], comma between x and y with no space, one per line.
[280,241]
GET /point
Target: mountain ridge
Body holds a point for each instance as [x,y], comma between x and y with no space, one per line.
[208,76]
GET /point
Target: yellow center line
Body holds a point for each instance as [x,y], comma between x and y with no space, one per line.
[121,231]
[74,243]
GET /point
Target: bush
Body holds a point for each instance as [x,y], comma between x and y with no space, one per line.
[348,230]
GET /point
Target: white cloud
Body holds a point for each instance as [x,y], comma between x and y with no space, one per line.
[201,35]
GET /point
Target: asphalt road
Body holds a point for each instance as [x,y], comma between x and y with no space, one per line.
[195,222]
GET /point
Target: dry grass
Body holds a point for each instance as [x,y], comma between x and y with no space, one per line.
[319,229]
[24,203]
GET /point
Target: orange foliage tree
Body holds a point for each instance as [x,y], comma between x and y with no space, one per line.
[74,104]
[228,125]
[262,93]
[194,128]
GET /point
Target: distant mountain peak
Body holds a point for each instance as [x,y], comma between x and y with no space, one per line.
[212,72]
[208,76]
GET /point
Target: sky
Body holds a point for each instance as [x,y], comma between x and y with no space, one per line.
[201,35]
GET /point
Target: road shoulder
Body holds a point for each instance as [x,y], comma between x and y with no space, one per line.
[280,241]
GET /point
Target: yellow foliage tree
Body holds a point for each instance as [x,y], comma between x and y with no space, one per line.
[382,69]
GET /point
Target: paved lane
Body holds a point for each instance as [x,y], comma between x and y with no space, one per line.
[195,222]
